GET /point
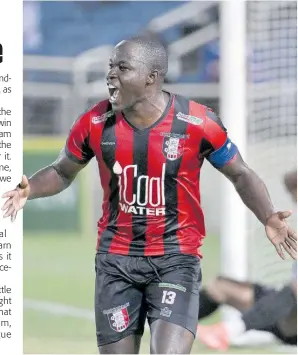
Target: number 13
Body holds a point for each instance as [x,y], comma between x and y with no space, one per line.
[168,297]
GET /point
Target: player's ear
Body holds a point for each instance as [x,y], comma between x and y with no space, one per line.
[152,77]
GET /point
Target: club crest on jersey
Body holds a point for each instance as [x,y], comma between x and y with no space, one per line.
[118,317]
[102,118]
[173,147]
[190,119]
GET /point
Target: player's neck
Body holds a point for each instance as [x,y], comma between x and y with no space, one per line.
[147,112]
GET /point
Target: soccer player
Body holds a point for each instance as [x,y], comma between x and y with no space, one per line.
[262,308]
[150,146]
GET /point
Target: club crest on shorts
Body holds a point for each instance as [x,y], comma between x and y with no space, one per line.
[165,312]
[173,147]
[118,317]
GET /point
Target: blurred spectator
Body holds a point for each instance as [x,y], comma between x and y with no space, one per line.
[210,53]
[31,28]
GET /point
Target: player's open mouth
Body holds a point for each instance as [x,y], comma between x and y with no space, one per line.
[114,93]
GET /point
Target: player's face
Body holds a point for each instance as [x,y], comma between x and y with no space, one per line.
[127,77]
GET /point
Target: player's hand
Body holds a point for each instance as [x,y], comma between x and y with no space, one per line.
[281,235]
[16,199]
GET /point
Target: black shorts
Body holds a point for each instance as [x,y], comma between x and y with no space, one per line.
[129,288]
[261,291]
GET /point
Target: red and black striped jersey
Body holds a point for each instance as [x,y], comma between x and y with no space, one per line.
[150,177]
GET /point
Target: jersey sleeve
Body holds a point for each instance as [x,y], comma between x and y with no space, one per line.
[216,146]
[77,146]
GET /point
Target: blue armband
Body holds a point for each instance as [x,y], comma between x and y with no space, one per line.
[220,157]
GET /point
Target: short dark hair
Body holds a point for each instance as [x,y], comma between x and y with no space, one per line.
[155,53]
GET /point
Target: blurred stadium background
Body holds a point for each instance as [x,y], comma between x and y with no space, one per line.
[66,47]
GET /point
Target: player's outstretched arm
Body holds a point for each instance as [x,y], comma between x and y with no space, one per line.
[48,181]
[255,196]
